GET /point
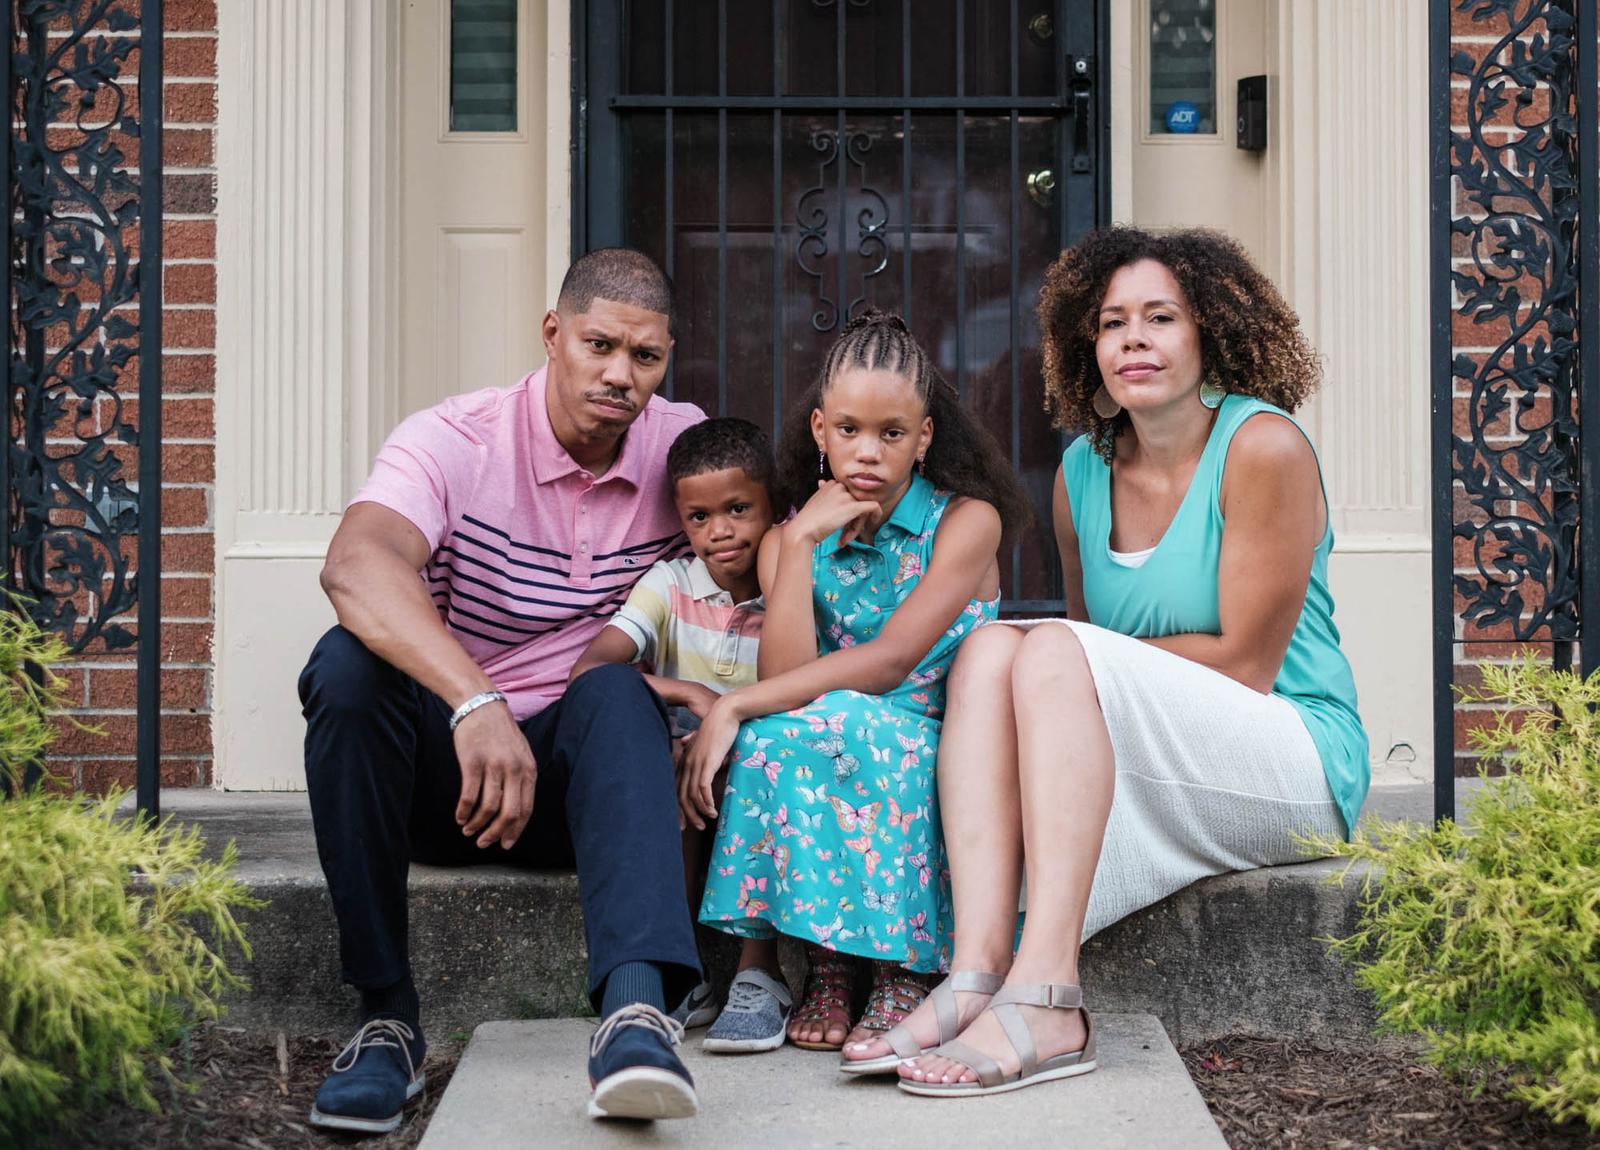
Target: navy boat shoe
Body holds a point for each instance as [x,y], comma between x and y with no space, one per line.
[633,1069]
[376,1073]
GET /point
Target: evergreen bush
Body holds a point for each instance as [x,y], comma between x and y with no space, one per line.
[1486,939]
[101,964]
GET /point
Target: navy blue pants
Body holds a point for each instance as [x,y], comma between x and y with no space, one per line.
[384,782]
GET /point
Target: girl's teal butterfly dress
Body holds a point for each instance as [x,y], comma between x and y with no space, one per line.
[830,823]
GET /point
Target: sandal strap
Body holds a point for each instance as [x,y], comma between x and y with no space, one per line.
[830,984]
[960,982]
[1018,1034]
[986,1068]
[1051,995]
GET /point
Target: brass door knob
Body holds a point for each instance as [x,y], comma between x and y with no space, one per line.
[1042,187]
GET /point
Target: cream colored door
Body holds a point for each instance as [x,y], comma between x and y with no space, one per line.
[1183,178]
[472,207]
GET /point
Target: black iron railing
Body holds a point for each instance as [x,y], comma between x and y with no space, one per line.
[81,549]
[1515,248]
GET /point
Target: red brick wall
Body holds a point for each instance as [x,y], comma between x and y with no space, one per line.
[101,687]
[1492,644]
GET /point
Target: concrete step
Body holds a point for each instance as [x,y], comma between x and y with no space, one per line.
[1236,953]
[524,1083]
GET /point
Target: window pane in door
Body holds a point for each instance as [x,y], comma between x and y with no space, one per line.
[1183,67]
[483,65]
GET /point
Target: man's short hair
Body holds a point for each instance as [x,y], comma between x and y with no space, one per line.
[620,275]
[720,444]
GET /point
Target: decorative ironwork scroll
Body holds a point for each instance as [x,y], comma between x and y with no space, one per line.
[1516,250]
[1516,459]
[836,149]
[81,545]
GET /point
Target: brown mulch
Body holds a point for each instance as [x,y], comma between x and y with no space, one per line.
[1291,1094]
[254,1091]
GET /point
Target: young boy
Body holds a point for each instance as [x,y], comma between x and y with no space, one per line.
[697,620]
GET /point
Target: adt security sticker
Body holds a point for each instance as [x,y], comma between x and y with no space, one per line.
[1183,117]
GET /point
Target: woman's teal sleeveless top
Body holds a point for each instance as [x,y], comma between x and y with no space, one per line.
[1175,592]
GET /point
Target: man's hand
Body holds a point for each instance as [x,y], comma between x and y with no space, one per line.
[497,776]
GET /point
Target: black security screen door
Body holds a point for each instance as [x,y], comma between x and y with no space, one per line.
[790,162]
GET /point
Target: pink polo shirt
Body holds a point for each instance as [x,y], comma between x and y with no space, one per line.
[531,553]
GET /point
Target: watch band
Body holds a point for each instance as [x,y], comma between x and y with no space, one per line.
[482,699]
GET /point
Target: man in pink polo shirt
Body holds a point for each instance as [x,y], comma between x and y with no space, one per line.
[497,533]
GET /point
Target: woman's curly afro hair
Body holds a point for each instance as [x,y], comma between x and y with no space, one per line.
[1250,338]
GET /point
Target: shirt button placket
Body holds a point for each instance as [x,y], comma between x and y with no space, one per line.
[583,555]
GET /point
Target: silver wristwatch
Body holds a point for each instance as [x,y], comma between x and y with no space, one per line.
[483,698]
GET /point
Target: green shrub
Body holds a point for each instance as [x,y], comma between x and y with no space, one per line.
[101,965]
[1487,940]
[28,689]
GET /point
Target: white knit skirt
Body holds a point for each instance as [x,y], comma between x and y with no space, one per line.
[1211,775]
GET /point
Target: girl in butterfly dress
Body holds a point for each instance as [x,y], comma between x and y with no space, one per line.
[829,824]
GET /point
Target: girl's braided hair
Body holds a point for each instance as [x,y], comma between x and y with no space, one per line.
[963,458]
[1250,338]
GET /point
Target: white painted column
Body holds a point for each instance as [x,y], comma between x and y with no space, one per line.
[1352,126]
[305,227]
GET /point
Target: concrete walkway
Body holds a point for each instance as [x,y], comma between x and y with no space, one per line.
[523,1084]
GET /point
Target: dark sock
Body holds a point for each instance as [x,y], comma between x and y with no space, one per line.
[632,982]
[397,1001]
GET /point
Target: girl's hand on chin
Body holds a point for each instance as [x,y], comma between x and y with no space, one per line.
[831,509]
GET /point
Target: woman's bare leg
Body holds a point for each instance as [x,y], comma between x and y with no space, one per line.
[977,777]
[1067,775]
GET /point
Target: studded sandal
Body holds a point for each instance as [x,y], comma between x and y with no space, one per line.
[830,984]
[991,1078]
[943,998]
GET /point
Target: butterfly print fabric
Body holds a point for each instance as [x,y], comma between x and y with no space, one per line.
[830,823]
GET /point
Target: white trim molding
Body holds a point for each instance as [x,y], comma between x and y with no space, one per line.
[307,155]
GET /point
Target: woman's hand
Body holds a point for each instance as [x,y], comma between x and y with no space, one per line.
[832,508]
[703,758]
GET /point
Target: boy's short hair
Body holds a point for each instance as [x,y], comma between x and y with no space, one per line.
[719,444]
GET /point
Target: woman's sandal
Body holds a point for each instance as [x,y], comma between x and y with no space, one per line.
[830,984]
[991,1078]
[943,997]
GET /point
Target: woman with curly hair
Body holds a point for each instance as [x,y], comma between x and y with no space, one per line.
[1193,713]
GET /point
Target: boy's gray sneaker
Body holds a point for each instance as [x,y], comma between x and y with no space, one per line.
[698,1008]
[754,1018]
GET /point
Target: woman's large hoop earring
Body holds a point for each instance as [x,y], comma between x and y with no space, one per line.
[1212,393]
[1104,406]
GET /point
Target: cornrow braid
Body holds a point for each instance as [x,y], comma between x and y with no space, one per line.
[963,458]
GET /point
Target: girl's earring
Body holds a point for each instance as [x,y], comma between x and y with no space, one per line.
[1104,406]
[822,464]
[921,462]
[1212,393]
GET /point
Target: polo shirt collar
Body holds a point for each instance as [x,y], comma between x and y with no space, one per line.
[703,587]
[909,516]
[551,461]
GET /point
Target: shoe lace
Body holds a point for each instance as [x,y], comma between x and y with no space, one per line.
[640,1014]
[747,998]
[378,1032]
